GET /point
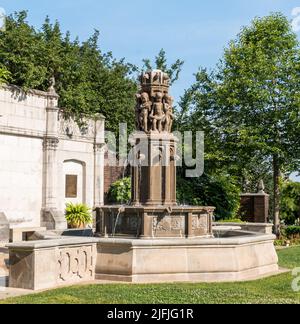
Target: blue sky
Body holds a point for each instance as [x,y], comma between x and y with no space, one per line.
[193,30]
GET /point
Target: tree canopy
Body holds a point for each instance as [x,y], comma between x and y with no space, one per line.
[249,105]
[87,80]
[161,63]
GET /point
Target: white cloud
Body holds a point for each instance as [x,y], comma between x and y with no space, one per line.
[296,20]
[2,19]
[295,177]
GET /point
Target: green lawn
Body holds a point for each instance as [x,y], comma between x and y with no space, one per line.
[271,290]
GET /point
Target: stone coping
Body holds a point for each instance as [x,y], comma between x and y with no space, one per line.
[244,238]
[248,238]
[45,244]
[154,135]
[243,224]
[227,228]
[158,208]
[19,90]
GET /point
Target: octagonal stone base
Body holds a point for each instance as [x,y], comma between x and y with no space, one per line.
[237,258]
[155,222]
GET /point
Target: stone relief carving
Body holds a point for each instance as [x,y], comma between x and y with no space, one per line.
[50,143]
[154,109]
[200,222]
[70,128]
[168,224]
[76,263]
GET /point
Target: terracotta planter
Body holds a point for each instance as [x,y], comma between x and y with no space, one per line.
[77,226]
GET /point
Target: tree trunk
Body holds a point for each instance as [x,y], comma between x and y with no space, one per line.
[276,172]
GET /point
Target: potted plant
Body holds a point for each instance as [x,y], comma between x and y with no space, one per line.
[78,215]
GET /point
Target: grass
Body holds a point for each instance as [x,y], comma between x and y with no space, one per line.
[274,290]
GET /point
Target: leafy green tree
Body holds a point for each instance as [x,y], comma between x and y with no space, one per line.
[161,63]
[290,202]
[20,52]
[4,75]
[251,101]
[88,81]
[220,191]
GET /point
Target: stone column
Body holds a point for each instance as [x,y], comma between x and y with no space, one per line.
[155,173]
[50,146]
[99,162]
[51,217]
[169,187]
[255,207]
[135,180]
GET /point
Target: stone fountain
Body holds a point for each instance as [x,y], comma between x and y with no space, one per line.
[154,212]
[154,239]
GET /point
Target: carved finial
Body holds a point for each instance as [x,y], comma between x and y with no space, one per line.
[261,187]
[154,109]
[51,88]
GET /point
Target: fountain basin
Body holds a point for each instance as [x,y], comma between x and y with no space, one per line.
[146,222]
[233,256]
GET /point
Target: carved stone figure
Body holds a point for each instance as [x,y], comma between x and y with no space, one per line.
[144,111]
[154,108]
[137,111]
[158,114]
[169,116]
[52,84]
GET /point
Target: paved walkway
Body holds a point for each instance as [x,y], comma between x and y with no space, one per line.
[11,292]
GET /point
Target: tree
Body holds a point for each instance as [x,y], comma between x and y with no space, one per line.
[4,75]
[219,191]
[161,63]
[87,80]
[251,101]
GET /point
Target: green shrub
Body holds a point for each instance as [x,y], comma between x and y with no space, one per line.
[4,74]
[292,232]
[290,202]
[78,215]
[120,191]
[219,191]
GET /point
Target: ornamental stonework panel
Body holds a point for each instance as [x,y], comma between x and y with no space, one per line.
[76,264]
[200,225]
[169,225]
[70,128]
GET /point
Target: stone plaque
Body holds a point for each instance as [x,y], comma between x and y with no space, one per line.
[71,186]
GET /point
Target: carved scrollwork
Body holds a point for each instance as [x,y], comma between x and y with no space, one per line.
[50,143]
[76,263]
[70,128]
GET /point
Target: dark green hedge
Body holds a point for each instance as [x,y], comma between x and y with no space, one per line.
[219,191]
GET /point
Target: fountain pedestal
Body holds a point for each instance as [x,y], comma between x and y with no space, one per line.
[155,222]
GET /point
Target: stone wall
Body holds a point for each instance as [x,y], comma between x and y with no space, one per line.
[39,148]
[52,263]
